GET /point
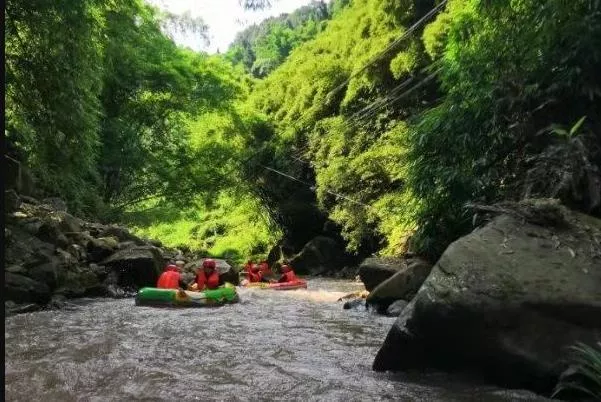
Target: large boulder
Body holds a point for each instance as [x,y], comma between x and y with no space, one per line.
[319,255]
[22,289]
[67,223]
[505,300]
[403,285]
[101,248]
[79,281]
[12,201]
[136,266]
[375,270]
[396,308]
[55,203]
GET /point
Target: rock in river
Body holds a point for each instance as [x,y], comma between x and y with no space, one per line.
[505,300]
[403,285]
[136,266]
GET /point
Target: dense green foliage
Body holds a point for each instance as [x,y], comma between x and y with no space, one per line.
[101,109]
[111,115]
[584,374]
[52,83]
[491,85]
[379,115]
[261,48]
[361,160]
[508,83]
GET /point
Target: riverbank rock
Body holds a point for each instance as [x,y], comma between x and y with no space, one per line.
[396,308]
[12,201]
[375,270]
[403,285]
[50,253]
[321,254]
[136,266]
[122,234]
[101,248]
[506,301]
[22,289]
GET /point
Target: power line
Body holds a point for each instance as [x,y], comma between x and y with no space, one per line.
[383,53]
[392,93]
[312,187]
[390,101]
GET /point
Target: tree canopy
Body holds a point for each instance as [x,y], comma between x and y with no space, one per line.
[383,117]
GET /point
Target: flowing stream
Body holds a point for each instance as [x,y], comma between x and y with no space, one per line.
[273,345]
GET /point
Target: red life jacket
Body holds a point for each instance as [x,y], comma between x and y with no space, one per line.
[248,266]
[210,282]
[288,277]
[169,280]
[265,268]
[254,276]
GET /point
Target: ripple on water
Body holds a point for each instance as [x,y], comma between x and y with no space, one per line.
[274,345]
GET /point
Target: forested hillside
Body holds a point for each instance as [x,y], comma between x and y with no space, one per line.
[263,47]
[404,116]
[383,117]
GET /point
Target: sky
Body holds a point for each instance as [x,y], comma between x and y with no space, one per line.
[225,18]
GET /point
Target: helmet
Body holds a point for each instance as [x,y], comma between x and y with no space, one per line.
[285,268]
[209,263]
[171,267]
[180,263]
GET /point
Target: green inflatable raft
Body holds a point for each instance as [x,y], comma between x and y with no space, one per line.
[174,298]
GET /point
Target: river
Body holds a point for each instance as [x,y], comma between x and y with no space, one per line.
[273,345]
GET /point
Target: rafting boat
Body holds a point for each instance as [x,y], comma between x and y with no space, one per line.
[175,298]
[298,284]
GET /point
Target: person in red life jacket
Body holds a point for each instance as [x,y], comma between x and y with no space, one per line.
[265,271]
[248,266]
[170,278]
[255,275]
[207,277]
[287,274]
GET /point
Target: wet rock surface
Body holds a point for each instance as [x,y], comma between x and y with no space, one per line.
[51,255]
[506,301]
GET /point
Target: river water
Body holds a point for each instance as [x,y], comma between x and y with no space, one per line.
[273,345]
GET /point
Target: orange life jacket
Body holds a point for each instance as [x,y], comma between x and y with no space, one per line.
[210,281]
[288,277]
[254,276]
[169,280]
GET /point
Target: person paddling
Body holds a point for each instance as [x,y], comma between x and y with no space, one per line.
[248,266]
[255,274]
[207,277]
[287,274]
[170,278]
[264,267]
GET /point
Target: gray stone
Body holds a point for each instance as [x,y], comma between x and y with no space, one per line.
[22,289]
[17,269]
[319,255]
[402,285]
[137,266]
[396,308]
[56,203]
[45,273]
[122,234]
[67,223]
[353,304]
[101,248]
[376,270]
[77,251]
[506,301]
[12,202]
